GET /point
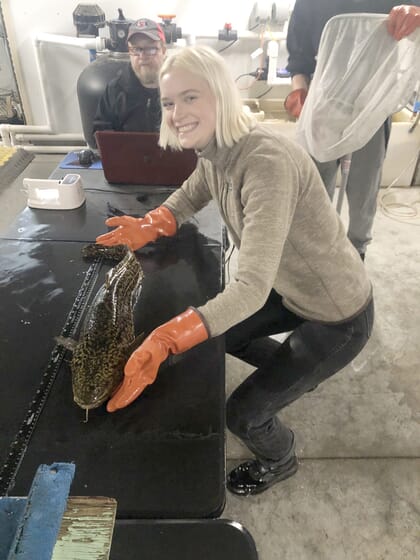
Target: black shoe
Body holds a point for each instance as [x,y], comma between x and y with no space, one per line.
[254,477]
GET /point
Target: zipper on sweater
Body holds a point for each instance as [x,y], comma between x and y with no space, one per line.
[227,186]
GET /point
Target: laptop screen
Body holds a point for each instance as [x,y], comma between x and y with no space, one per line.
[136,158]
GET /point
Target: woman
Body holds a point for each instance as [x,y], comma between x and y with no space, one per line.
[297,271]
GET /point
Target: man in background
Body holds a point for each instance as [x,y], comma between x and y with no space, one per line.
[304,33]
[131,100]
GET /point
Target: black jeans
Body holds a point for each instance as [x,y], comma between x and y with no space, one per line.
[285,371]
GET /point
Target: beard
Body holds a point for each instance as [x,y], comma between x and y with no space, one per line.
[147,75]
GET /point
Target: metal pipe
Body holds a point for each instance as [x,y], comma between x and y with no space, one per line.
[51,149]
[7,131]
[345,164]
[73,137]
[10,132]
[89,43]
[273,53]
[191,38]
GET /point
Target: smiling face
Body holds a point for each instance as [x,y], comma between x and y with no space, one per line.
[189,108]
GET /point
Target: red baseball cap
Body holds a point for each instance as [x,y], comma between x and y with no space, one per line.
[146,27]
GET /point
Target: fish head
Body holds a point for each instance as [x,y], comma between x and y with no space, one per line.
[91,397]
[95,376]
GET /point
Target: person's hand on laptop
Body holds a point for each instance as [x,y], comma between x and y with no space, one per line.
[138,232]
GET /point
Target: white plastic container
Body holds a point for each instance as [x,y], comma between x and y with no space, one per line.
[52,194]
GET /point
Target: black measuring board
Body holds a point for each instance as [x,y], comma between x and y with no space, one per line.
[36,290]
[178,419]
[37,293]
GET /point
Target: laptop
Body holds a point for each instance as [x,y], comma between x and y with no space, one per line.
[136,158]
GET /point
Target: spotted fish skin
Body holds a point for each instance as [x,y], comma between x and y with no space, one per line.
[107,335]
[114,253]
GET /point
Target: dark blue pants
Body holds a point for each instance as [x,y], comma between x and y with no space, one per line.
[285,371]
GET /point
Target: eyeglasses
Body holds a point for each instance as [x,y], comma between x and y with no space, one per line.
[146,51]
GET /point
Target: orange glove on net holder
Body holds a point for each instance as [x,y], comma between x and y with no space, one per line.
[138,232]
[294,102]
[403,20]
[174,337]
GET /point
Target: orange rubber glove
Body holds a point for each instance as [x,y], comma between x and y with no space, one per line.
[403,20]
[294,102]
[174,337]
[137,232]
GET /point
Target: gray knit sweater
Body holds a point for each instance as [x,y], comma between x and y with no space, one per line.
[289,235]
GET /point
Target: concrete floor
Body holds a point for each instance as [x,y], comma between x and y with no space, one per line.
[356,495]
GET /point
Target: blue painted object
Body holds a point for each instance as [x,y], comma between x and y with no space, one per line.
[71,161]
[29,526]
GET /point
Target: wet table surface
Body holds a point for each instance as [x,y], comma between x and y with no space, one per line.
[161,457]
[103,200]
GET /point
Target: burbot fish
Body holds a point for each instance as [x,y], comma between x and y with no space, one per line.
[107,335]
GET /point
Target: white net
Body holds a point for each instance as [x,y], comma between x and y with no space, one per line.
[363,75]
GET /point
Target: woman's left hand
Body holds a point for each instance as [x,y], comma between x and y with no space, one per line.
[174,337]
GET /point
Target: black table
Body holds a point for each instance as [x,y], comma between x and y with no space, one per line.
[182,540]
[163,456]
[103,200]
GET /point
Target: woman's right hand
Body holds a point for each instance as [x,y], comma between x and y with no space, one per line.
[138,232]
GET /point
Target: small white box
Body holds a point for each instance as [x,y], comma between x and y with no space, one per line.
[53,194]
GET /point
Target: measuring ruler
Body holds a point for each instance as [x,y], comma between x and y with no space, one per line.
[19,445]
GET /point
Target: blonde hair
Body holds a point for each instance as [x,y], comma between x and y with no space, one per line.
[231,120]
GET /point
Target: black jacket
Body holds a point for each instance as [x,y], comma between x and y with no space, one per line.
[127,105]
[309,18]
